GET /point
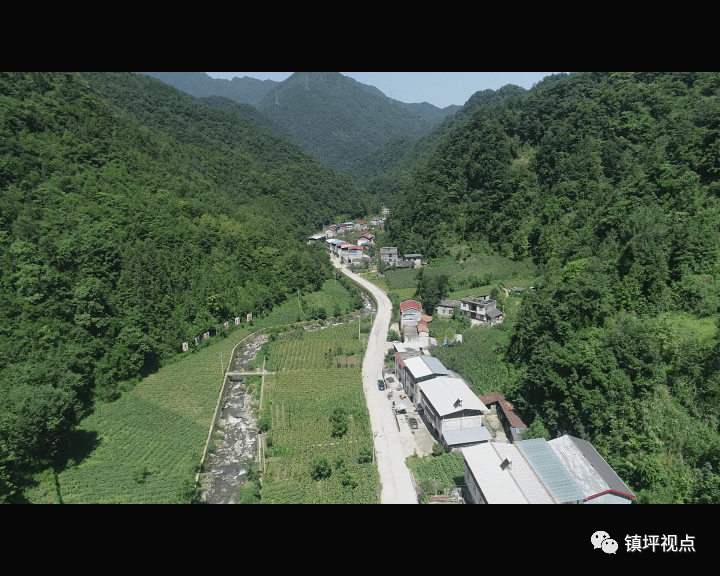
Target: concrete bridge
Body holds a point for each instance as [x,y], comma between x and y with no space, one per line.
[257,372]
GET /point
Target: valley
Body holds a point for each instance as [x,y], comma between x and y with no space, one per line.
[568,233]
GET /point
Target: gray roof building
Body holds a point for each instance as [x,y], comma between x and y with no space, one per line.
[591,471]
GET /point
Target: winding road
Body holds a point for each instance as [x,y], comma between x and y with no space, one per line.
[391,446]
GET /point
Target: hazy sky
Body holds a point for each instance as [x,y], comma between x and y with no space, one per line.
[438,88]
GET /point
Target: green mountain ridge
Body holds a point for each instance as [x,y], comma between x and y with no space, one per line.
[334,119]
[611,182]
[132,219]
[245,90]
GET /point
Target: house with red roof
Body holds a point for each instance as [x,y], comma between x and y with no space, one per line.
[512,423]
[410,313]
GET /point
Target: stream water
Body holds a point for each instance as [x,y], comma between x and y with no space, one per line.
[224,469]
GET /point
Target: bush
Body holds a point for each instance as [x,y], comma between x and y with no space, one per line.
[393,336]
[249,493]
[264,422]
[349,479]
[365,455]
[320,467]
[339,422]
[438,449]
[252,474]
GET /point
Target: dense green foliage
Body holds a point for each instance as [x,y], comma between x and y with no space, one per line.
[336,120]
[124,233]
[610,182]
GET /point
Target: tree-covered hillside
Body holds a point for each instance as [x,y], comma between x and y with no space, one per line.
[334,119]
[243,90]
[611,182]
[124,235]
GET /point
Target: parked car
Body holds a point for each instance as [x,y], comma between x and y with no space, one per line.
[391,381]
[381,385]
[413,423]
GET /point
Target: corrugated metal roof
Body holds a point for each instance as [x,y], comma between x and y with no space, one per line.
[416,367]
[524,476]
[550,469]
[498,486]
[494,313]
[601,467]
[585,475]
[466,435]
[442,392]
[435,365]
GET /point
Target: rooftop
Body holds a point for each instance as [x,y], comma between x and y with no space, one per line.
[466,435]
[585,475]
[444,392]
[494,313]
[551,470]
[507,408]
[482,300]
[615,484]
[498,485]
[410,304]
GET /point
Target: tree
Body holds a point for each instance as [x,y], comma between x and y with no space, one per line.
[365,454]
[320,467]
[438,449]
[339,421]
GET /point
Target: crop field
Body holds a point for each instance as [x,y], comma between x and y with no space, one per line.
[475,271]
[447,469]
[148,442]
[300,399]
[321,349]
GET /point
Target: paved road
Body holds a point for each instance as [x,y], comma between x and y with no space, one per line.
[391,446]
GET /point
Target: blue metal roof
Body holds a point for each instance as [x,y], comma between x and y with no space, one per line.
[551,471]
[435,365]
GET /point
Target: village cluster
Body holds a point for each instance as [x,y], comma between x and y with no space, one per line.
[500,467]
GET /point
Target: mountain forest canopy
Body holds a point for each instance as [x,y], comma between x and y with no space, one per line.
[610,182]
[133,218]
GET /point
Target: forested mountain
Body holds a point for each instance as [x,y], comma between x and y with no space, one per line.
[386,171]
[339,120]
[243,90]
[335,119]
[429,112]
[250,112]
[125,232]
[611,182]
